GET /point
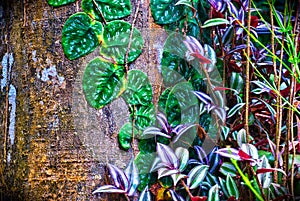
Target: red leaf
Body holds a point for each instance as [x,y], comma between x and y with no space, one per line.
[231,198]
[254,21]
[263,170]
[244,155]
[200,57]
[199,198]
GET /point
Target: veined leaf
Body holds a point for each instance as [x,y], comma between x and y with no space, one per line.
[241,137]
[231,187]
[214,22]
[264,178]
[102,82]
[163,172]
[185,2]
[139,89]
[108,189]
[225,132]
[182,105]
[183,156]
[111,10]
[119,177]
[57,3]
[228,168]
[115,41]
[144,116]
[125,135]
[133,177]
[165,11]
[196,176]
[167,156]
[151,132]
[235,109]
[213,194]
[80,35]
[223,187]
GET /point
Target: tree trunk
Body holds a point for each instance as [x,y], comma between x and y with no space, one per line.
[53,146]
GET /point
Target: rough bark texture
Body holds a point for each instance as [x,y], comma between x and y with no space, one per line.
[53,146]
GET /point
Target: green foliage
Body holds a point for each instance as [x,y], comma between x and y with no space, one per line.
[182,105]
[191,107]
[115,41]
[80,35]
[125,135]
[165,12]
[110,10]
[102,82]
[57,3]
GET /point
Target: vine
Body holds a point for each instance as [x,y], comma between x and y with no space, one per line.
[180,140]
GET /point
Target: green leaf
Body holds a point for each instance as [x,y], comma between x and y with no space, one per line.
[139,89]
[80,35]
[185,2]
[231,187]
[111,10]
[115,41]
[183,156]
[236,82]
[162,102]
[228,168]
[235,109]
[125,135]
[102,82]
[57,3]
[213,194]
[182,105]
[165,11]
[144,116]
[196,176]
[214,22]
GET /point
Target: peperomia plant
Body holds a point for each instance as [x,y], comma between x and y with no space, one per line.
[192,144]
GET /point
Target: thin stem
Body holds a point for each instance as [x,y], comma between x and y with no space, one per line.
[246,180]
[130,36]
[247,93]
[186,188]
[275,90]
[101,14]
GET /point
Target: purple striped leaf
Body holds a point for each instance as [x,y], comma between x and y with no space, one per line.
[119,177]
[108,189]
[133,176]
[167,156]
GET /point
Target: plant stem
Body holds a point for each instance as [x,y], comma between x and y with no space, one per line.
[186,188]
[130,36]
[246,180]
[101,14]
[247,93]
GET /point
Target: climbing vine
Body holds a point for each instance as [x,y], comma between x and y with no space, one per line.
[181,140]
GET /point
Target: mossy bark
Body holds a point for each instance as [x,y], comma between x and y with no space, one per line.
[53,146]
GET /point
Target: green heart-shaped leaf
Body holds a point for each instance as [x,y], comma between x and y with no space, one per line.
[182,105]
[102,82]
[165,11]
[144,116]
[139,89]
[125,135]
[80,35]
[111,10]
[57,3]
[116,38]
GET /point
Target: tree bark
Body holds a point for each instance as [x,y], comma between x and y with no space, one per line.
[53,146]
